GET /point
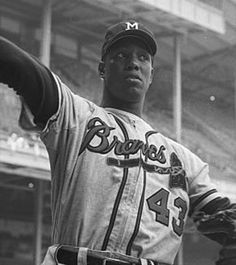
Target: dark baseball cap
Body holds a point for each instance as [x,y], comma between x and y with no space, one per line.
[129,29]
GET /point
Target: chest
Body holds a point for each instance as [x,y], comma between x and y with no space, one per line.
[136,148]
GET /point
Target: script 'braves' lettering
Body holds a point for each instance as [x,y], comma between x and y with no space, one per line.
[98,129]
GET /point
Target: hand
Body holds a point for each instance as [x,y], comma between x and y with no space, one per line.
[221,227]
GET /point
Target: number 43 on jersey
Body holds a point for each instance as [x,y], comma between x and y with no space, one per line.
[158,203]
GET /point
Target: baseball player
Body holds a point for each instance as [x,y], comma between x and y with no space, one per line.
[121,191]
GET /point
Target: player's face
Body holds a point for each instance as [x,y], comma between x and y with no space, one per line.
[128,70]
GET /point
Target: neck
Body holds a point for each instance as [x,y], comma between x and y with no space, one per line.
[132,107]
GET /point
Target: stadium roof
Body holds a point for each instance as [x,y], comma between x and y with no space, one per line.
[207,32]
[88,19]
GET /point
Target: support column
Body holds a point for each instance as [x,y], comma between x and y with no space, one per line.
[38,223]
[46,32]
[235,101]
[45,59]
[177,104]
[177,108]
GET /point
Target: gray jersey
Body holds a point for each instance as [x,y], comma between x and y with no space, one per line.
[117,184]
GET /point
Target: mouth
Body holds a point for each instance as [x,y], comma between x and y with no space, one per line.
[133,78]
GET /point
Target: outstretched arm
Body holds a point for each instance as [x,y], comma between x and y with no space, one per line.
[30,79]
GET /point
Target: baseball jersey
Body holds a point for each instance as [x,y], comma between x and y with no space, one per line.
[118,184]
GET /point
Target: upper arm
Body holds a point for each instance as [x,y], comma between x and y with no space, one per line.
[201,189]
[30,79]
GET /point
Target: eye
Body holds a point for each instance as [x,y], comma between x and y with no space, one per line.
[121,55]
[143,57]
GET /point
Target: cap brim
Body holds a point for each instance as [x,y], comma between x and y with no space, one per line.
[139,34]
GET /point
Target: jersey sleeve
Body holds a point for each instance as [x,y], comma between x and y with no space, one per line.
[68,122]
[63,134]
[201,188]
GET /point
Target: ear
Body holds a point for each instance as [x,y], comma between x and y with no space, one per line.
[101,69]
[151,76]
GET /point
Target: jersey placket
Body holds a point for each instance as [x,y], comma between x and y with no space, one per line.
[131,206]
[125,216]
[127,213]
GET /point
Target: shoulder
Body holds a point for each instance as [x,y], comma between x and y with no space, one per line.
[192,163]
[68,98]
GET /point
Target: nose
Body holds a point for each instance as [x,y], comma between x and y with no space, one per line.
[132,63]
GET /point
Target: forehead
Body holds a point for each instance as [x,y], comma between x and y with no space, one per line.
[130,43]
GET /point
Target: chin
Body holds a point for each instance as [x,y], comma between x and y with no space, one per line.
[136,90]
[134,94]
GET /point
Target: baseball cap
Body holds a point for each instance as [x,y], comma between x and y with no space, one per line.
[126,29]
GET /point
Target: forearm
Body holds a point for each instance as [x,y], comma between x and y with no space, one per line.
[217,220]
[30,79]
[218,204]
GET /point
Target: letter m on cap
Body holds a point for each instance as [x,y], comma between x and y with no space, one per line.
[130,25]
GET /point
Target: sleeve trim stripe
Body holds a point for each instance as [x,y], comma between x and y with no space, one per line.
[207,200]
[201,201]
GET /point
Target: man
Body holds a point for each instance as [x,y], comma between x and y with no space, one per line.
[121,191]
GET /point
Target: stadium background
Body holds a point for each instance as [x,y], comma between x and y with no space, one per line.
[192,100]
